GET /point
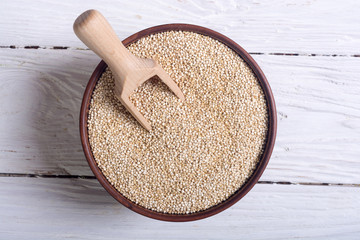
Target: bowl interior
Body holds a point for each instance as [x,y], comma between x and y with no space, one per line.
[270,141]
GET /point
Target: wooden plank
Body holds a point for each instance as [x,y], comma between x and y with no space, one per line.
[318,105]
[304,26]
[40,97]
[317,101]
[73,208]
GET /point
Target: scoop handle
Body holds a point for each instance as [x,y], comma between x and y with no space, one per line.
[94,31]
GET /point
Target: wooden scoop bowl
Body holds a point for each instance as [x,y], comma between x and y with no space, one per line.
[129,71]
[263,161]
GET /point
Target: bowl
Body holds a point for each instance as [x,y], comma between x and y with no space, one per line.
[270,140]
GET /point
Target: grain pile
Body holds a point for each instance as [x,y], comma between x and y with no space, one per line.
[199,151]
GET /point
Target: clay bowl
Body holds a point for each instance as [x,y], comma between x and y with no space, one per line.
[237,195]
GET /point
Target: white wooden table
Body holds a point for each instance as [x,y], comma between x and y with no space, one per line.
[310,53]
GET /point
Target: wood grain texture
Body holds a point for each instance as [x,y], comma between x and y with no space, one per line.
[81,209]
[40,95]
[317,101]
[303,26]
[318,105]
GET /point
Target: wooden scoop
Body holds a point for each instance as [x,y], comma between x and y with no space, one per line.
[129,71]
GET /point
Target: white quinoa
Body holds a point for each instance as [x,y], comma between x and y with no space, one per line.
[200,151]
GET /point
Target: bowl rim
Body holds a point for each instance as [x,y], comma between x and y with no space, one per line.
[271,135]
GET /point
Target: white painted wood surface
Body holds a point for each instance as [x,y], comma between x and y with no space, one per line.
[81,209]
[302,26]
[317,97]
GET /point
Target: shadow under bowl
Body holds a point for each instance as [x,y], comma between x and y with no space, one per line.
[270,141]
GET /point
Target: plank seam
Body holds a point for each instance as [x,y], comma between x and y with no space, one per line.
[252,53]
[34,175]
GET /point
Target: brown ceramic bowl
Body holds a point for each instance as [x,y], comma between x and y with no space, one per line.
[238,194]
